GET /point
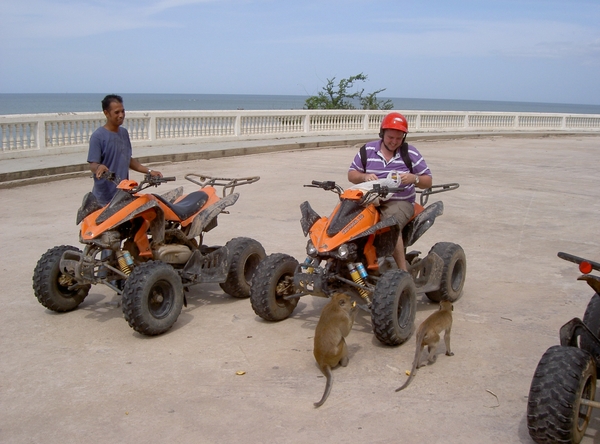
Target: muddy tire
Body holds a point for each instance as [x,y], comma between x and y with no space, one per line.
[50,286]
[563,376]
[274,279]
[244,256]
[453,273]
[591,319]
[394,307]
[152,298]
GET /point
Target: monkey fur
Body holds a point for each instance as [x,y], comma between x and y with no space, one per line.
[428,334]
[330,347]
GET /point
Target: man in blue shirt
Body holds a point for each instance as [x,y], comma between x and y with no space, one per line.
[110,150]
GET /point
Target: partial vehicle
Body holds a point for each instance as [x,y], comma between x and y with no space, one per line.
[149,248]
[563,388]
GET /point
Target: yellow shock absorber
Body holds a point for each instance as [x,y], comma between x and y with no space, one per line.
[356,277]
[125,261]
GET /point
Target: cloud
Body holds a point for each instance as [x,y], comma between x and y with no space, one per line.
[33,19]
[469,38]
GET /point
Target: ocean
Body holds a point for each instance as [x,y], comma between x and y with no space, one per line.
[65,103]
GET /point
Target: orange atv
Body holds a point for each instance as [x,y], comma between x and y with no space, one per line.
[149,249]
[351,251]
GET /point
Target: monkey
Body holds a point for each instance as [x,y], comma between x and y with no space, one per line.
[428,334]
[330,347]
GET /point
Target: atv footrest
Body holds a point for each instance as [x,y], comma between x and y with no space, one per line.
[207,268]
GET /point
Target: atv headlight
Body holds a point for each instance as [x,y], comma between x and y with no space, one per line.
[311,250]
[343,251]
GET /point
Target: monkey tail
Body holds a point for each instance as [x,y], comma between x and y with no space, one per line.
[413,371]
[329,375]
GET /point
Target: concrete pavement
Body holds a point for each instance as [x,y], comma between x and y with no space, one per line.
[86,376]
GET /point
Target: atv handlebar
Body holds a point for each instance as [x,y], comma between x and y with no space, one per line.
[381,191]
[578,260]
[227,183]
[149,181]
[328,185]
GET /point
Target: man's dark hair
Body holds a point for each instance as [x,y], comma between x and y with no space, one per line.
[109,99]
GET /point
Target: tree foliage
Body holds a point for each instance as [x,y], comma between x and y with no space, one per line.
[339,96]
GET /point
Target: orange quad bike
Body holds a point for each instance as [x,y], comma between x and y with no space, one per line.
[149,248]
[351,251]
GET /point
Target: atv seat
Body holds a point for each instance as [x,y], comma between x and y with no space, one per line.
[187,206]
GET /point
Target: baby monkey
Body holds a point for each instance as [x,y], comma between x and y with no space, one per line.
[330,347]
[428,334]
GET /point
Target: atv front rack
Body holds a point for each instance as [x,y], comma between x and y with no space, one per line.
[226,182]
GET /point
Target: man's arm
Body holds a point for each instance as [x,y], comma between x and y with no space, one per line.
[358,177]
[135,165]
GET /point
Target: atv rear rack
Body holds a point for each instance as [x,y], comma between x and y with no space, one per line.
[227,183]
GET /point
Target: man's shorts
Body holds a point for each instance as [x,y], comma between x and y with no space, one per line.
[402,210]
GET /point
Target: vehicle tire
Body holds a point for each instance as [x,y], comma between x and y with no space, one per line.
[563,376]
[152,298]
[453,273]
[244,256]
[274,279]
[591,319]
[50,286]
[394,307]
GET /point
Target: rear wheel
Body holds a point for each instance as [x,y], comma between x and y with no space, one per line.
[51,286]
[562,378]
[244,256]
[274,279]
[152,298]
[394,307]
[453,273]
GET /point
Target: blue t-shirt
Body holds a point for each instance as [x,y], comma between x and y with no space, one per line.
[114,151]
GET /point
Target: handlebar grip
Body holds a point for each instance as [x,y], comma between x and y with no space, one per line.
[169,179]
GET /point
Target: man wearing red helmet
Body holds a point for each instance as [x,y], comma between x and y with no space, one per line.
[392,153]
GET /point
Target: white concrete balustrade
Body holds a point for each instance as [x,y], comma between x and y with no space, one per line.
[39,134]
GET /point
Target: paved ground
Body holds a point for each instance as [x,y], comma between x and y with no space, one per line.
[86,376]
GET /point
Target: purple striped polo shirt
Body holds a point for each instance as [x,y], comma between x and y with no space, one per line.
[377,164]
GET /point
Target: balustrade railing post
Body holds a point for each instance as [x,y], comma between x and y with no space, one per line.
[306,123]
[237,126]
[41,134]
[152,128]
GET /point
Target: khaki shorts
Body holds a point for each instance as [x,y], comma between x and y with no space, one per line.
[400,209]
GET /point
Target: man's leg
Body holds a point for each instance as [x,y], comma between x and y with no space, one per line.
[402,211]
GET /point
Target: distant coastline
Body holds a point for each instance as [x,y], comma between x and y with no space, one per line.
[72,102]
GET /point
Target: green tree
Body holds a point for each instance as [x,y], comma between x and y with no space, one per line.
[339,96]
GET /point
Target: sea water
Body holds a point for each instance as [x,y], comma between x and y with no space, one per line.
[65,103]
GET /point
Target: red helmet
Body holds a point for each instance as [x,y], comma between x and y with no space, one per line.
[394,121]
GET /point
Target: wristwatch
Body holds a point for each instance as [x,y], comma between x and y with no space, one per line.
[149,171]
[416,179]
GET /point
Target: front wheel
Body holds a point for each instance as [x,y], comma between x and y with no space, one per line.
[564,376]
[152,298]
[394,307]
[273,280]
[454,272]
[244,256]
[51,286]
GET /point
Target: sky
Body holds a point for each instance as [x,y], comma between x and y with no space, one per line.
[523,50]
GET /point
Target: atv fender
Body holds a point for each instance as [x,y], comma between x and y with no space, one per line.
[205,217]
[309,217]
[420,224]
